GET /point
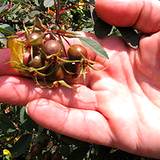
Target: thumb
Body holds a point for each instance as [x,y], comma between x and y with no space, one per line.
[5,68]
[142,14]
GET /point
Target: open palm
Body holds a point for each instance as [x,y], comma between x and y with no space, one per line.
[119,106]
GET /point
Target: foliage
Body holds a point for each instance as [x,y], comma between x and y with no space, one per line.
[20,137]
[73,14]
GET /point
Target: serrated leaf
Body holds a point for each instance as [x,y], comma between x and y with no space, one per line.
[94,45]
[48,3]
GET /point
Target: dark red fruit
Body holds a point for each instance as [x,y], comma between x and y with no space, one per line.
[46,37]
[52,47]
[35,38]
[72,69]
[59,74]
[76,51]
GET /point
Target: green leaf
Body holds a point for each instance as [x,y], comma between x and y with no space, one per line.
[34,13]
[48,3]
[94,45]
[22,117]
[36,3]
[6,29]
[3,40]
[3,1]
[5,124]
[21,146]
[28,124]
[2,8]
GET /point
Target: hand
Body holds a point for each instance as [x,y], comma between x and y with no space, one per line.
[119,106]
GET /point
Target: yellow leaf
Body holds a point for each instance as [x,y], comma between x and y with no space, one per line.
[17,50]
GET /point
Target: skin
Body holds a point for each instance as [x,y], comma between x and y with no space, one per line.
[118,106]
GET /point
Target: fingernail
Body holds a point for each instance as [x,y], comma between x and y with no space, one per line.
[30,108]
[32,105]
[26,108]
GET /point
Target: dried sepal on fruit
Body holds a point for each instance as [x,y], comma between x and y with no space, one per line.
[35,38]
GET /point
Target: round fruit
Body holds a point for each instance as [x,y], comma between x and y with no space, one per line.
[35,38]
[59,73]
[76,51]
[72,69]
[52,47]
[36,62]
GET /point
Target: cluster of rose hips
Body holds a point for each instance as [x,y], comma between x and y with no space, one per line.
[49,63]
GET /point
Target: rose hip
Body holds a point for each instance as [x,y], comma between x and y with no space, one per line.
[52,47]
[76,51]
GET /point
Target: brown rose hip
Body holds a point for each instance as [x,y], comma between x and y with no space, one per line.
[36,62]
[52,47]
[76,51]
[35,38]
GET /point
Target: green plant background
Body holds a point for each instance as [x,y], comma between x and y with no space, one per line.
[20,137]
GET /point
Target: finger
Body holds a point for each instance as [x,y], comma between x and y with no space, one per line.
[110,45]
[17,90]
[85,125]
[143,14]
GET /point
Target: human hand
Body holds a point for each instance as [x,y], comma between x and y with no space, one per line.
[119,106]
